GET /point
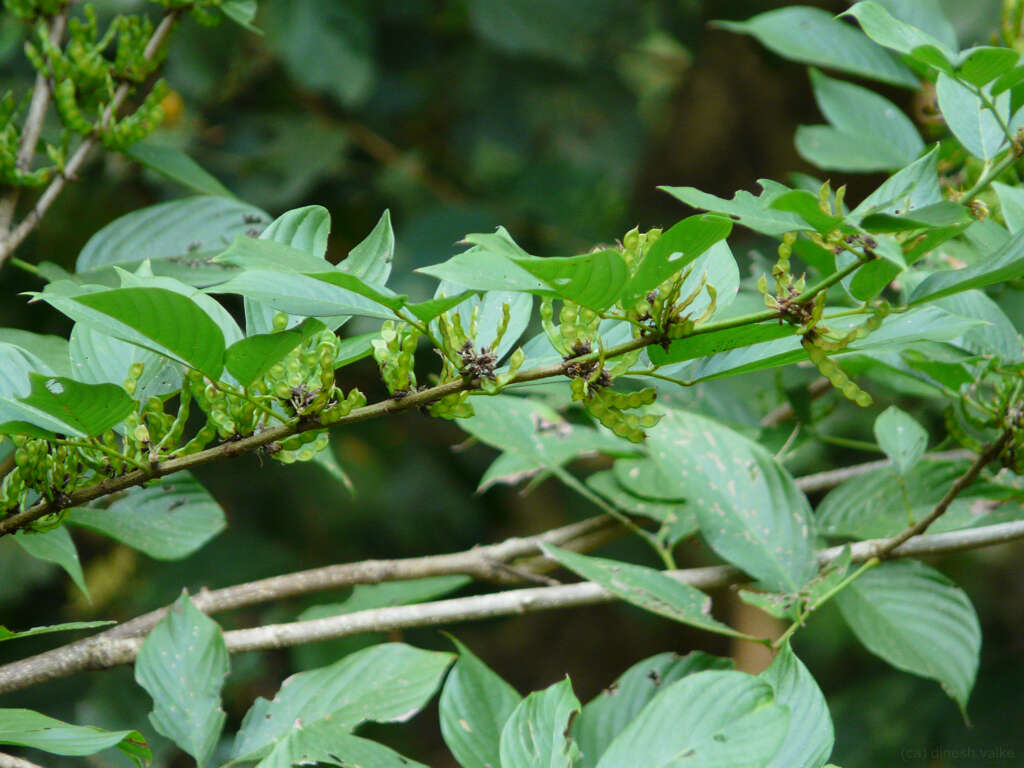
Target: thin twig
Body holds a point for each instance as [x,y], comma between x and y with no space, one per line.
[81,154]
[33,126]
[112,652]
[485,563]
[992,452]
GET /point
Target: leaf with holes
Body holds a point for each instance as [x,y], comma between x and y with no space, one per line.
[672,251]
[85,409]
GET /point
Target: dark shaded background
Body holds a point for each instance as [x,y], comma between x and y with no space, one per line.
[557,120]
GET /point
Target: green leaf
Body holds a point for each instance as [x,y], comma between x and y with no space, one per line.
[302,295]
[834,150]
[910,189]
[97,359]
[878,504]
[168,520]
[248,359]
[52,351]
[593,280]
[1007,263]
[996,335]
[179,231]
[805,205]
[70,626]
[242,12]
[85,409]
[268,254]
[534,437]
[890,32]
[983,64]
[973,123]
[814,36]
[157,319]
[25,728]
[537,731]
[488,266]
[711,719]
[749,507]
[1011,203]
[872,278]
[745,209]
[944,214]
[55,546]
[646,588]
[677,247]
[323,743]
[1007,81]
[605,716]
[142,278]
[677,521]
[182,665]
[809,740]
[371,260]
[383,683]
[176,166]
[869,132]
[475,705]
[306,228]
[916,619]
[644,477]
[377,293]
[901,437]
[927,15]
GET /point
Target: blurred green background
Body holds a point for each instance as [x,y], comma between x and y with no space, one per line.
[557,120]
